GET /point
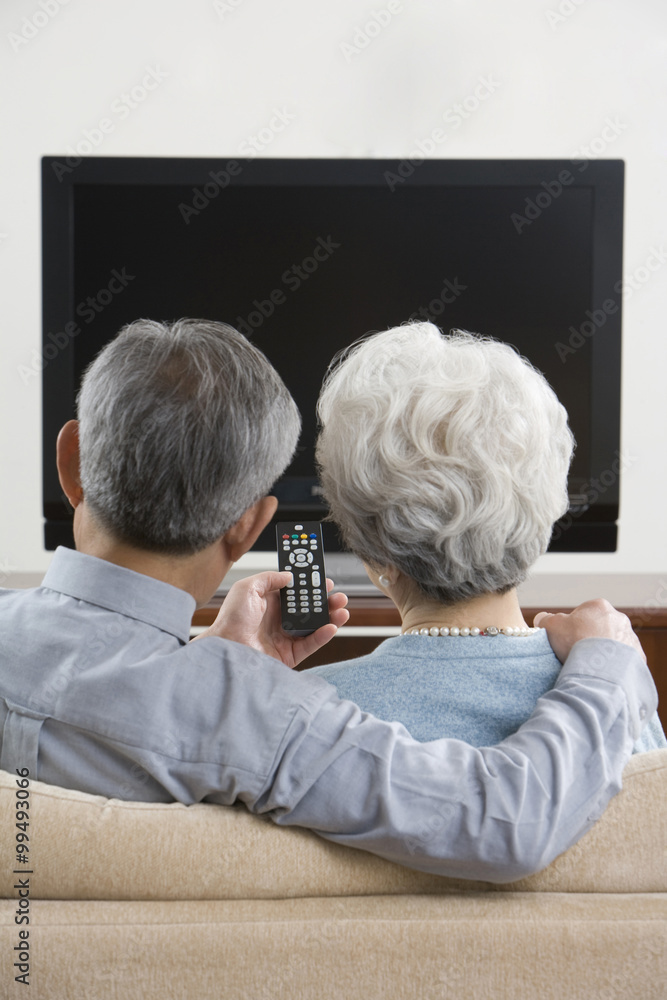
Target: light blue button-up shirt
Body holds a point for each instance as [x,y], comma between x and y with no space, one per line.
[101,691]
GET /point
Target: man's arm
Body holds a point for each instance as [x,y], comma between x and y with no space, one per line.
[495,813]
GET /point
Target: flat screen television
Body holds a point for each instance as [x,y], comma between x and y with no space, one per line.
[304,256]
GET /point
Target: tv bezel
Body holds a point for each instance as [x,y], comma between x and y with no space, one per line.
[591,529]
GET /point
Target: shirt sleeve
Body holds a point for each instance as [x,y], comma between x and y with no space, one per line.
[652,737]
[493,813]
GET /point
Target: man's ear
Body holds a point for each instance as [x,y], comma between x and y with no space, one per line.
[242,535]
[67,459]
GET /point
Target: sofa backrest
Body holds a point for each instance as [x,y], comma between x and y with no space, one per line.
[89,847]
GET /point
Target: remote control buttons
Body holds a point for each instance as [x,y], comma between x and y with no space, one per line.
[304,599]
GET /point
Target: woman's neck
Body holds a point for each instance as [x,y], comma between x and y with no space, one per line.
[501,610]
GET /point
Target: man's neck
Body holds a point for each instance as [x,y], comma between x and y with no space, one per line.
[199,574]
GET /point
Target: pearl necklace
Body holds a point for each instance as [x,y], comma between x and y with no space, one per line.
[488,630]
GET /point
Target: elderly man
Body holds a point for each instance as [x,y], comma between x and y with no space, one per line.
[182,430]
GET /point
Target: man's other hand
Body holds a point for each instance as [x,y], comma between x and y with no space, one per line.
[250,614]
[591,620]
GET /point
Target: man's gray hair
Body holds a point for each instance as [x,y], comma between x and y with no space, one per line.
[183,426]
[444,456]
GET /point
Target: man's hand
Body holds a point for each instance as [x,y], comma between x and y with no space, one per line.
[591,620]
[250,614]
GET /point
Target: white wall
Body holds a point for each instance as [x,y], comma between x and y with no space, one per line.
[228,65]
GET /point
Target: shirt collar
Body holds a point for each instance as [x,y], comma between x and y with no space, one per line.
[118,589]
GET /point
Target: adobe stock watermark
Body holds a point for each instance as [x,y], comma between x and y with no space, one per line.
[596,318]
[35,22]
[108,637]
[635,281]
[565,10]
[430,830]
[120,109]
[224,7]
[365,33]
[454,117]
[449,293]
[656,604]
[317,939]
[597,662]
[613,127]
[249,148]
[553,188]
[91,653]
[616,978]
[292,279]
[257,143]
[6,569]
[87,310]
[595,489]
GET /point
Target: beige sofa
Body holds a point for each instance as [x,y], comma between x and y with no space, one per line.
[136,900]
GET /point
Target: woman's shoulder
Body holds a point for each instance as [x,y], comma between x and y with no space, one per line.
[531,653]
[379,657]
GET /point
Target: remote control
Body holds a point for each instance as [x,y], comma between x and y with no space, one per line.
[304,606]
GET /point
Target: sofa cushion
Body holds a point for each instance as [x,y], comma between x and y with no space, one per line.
[89,847]
[467,946]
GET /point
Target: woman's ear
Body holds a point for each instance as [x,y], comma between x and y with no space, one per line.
[382,576]
[243,535]
[67,460]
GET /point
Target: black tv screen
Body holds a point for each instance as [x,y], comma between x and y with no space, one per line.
[306,256]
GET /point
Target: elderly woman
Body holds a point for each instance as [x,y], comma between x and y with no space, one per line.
[444,463]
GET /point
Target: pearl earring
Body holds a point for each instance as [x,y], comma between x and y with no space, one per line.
[384,580]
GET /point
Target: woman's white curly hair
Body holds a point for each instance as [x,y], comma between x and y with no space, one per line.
[444,456]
